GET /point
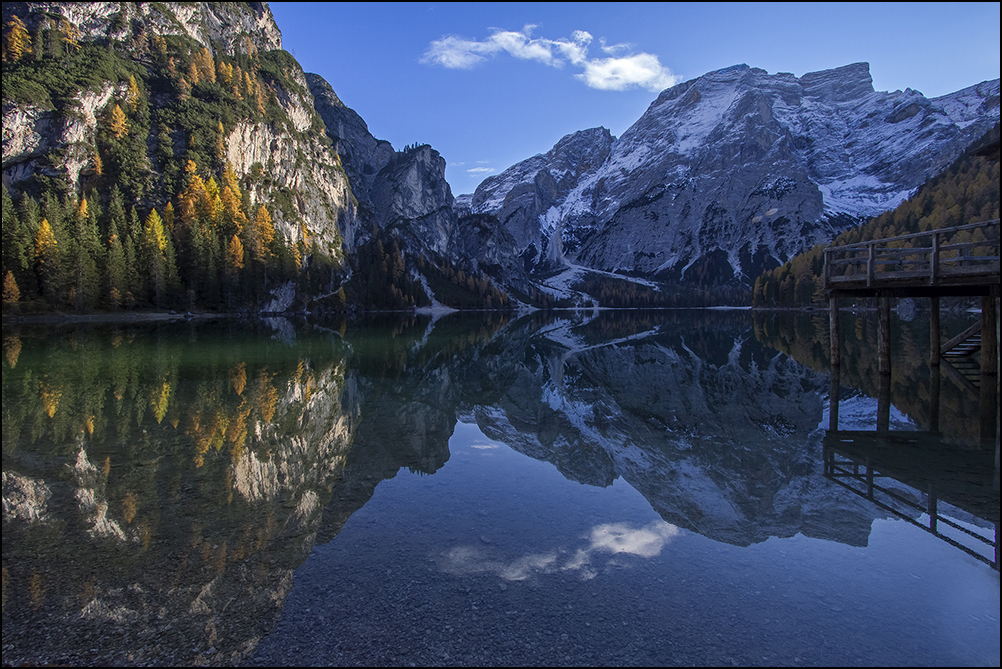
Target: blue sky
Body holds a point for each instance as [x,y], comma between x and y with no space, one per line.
[490,84]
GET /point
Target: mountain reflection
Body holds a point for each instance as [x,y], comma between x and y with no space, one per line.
[161,483]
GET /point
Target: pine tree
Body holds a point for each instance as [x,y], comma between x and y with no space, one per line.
[152,254]
[116,273]
[69,36]
[132,95]
[262,236]
[11,293]
[220,144]
[204,63]
[86,251]
[17,241]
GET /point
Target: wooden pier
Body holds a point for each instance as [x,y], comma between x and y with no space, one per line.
[960,261]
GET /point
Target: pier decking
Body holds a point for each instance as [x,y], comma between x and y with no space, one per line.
[958,261]
[961,260]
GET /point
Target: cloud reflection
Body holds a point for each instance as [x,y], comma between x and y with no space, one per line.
[613,538]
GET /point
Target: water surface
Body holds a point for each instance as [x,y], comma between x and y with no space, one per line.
[633,488]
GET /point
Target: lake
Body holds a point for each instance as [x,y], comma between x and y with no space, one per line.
[603,488]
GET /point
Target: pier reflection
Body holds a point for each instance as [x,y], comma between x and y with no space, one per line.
[945,486]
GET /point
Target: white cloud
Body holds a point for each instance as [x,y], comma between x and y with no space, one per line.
[480,171]
[615,73]
[642,70]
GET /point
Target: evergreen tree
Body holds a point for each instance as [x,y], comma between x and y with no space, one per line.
[87,252]
[11,293]
[116,281]
[153,254]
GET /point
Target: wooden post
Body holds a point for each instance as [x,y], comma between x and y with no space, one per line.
[833,331]
[884,335]
[989,371]
[869,264]
[826,275]
[934,332]
[934,260]
[834,344]
[934,380]
[989,337]
[833,399]
[989,401]
[884,403]
[884,364]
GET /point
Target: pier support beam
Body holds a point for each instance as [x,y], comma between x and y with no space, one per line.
[834,344]
[934,378]
[934,331]
[989,336]
[884,335]
[834,336]
[989,371]
[884,365]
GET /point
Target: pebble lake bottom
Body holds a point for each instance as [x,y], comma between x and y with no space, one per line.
[497,559]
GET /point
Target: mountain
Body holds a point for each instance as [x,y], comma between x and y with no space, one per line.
[138,109]
[965,192]
[731,173]
[160,155]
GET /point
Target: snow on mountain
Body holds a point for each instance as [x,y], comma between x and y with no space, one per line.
[732,172]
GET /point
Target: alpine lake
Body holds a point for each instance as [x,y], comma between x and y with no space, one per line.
[570,488]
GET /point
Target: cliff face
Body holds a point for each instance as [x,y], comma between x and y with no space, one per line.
[327,182]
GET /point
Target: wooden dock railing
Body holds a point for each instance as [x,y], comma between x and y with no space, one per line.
[955,256]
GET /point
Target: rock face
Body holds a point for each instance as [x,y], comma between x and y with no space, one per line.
[299,166]
[30,132]
[402,192]
[733,172]
[362,155]
[211,24]
[412,197]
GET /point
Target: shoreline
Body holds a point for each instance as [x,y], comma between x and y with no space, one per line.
[129,317]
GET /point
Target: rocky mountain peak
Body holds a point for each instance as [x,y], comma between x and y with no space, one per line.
[841,84]
[734,171]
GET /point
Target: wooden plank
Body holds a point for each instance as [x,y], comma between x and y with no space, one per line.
[918,235]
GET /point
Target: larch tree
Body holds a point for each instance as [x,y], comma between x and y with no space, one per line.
[17,41]
[47,259]
[118,124]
